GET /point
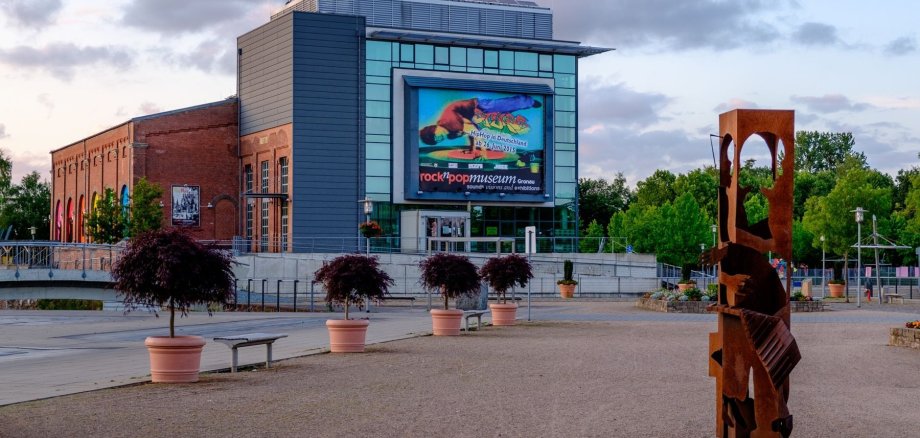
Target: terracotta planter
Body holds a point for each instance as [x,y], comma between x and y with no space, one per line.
[504,314]
[684,286]
[446,322]
[567,290]
[347,335]
[836,290]
[174,360]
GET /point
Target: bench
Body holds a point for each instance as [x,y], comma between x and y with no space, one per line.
[467,314]
[411,300]
[249,339]
[889,298]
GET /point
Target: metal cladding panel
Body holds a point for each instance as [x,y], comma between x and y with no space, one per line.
[265,76]
[328,124]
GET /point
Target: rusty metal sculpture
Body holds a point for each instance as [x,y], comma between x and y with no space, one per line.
[753,306]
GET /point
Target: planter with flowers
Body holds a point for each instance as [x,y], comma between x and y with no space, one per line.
[350,280]
[370,229]
[907,336]
[454,276]
[836,288]
[567,284]
[503,273]
[167,268]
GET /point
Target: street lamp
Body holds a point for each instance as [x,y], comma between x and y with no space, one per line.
[714,228]
[32,230]
[860,215]
[823,269]
[368,209]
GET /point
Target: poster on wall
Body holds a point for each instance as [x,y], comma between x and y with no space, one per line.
[480,142]
[186,201]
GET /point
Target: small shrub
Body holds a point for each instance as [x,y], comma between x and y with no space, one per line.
[646,295]
[914,324]
[704,298]
[352,279]
[693,294]
[683,298]
[656,295]
[798,296]
[503,273]
[567,269]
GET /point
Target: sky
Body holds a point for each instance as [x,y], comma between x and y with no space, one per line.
[72,68]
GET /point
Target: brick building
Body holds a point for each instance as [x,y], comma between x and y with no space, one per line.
[191,153]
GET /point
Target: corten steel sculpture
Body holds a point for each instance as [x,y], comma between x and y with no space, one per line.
[753,306]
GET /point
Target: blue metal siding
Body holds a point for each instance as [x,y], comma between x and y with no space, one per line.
[265,76]
[328,131]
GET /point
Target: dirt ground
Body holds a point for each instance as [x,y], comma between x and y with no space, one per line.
[541,379]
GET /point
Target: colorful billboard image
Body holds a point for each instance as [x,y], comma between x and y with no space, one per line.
[481,142]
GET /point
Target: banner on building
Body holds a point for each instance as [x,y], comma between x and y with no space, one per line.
[186,202]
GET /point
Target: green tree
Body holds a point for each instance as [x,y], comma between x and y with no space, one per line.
[657,189]
[907,222]
[703,184]
[107,222]
[598,199]
[903,185]
[816,151]
[591,241]
[146,212]
[832,215]
[809,185]
[678,230]
[6,175]
[30,209]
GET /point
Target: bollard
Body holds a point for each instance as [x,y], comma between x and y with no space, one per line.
[264,280]
[295,295]
[278,296]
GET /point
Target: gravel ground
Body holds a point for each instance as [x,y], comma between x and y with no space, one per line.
[540,379]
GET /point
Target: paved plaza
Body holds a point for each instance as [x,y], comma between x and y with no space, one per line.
[578,369]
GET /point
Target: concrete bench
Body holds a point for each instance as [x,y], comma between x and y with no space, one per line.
[411,300]
[890,298]
[249,339]
[467,314]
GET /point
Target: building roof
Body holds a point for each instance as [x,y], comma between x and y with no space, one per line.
[470,40]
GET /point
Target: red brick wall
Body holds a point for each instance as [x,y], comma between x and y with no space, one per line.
[268,145]
[193,147]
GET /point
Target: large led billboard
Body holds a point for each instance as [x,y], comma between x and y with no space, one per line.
[477,143]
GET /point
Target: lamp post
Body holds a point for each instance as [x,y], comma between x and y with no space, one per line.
[714,229]
[860,215]
[823,269]
[368,209]
[32,231]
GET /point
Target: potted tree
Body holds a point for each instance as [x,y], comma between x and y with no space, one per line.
[168,268]
[837,286]
[567,284]
[349,280]
[454,276]
[502,273]
[685,281]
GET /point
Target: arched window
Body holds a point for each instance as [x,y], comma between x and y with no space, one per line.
[70,219]
[58,220]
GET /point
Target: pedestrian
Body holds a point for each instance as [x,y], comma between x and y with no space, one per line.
[869,290]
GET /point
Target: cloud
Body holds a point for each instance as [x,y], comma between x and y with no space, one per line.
[816,34]
[170,17]
[62,59]
[3,133]
[901,46]
[618,105]
[45,100]
[665,24]
[31,13]
[146,108]
[211,56]
[829,103]
[734,103]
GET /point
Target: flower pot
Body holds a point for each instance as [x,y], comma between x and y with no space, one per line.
[446,322]
[504,314]
[567,290]
[836,290]
[174,360]
[347,335]
[684,286]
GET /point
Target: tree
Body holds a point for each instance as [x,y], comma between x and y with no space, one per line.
[832,215]
[809,185]
[32,197]
[680,229]
[703,184]
[106,222]
[657,189]
[6,175]
[903,185]
[598,199]
[146,212]
[591,241]
[816,151]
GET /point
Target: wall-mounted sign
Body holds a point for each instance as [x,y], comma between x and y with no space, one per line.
[186,202]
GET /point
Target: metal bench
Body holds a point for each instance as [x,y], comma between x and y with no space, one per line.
[411,300]
[249,339]
[467,314]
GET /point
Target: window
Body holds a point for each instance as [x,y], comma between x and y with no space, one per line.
[247,172]
[283,171]
[424,54]
[441,55]
[263,222]
[458,56]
